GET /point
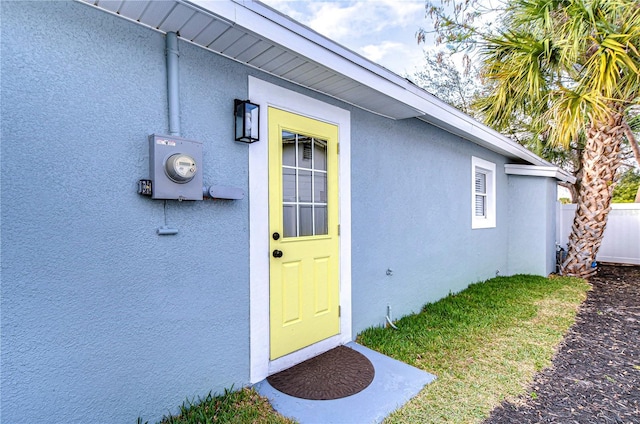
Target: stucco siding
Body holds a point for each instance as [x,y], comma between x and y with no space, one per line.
[411,213]
[102,319]
[532,224]
[551,206]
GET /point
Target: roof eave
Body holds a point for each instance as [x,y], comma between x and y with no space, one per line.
[540,171]
[427,107]
[380,90]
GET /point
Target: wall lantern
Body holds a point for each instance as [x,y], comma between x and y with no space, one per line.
[247,121]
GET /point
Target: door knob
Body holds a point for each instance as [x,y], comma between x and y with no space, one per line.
[277,253]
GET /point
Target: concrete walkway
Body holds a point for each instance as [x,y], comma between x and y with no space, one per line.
[394,384]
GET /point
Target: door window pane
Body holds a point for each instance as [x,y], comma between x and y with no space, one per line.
[288,148]
[320,154]
[320,187]
[288,185]
[305,152]
[320,213]
[304,185]
[306,220]
[290,221]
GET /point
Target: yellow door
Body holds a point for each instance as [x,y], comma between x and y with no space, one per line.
[303,231]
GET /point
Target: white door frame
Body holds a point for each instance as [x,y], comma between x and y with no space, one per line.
[266,94]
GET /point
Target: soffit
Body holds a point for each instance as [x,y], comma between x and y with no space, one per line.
[252,33]
[213,25]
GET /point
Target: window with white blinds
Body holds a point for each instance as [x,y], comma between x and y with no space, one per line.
[481,194]
[483,190]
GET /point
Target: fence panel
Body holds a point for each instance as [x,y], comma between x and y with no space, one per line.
[621,240]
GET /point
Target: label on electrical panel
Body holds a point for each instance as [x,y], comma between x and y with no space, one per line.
[165,142]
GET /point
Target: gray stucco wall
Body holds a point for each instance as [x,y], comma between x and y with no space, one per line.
[102,319]
[532,224]
[411,212]
[552,207]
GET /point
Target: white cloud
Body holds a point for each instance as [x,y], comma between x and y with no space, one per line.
[376,52]
[336,20]
[293,9]
[381,30]
[343,21]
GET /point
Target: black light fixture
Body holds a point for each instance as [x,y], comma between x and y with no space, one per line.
[247,117]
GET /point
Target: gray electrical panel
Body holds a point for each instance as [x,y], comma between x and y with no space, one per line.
[175,168]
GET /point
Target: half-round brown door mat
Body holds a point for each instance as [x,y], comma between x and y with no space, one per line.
[335,374]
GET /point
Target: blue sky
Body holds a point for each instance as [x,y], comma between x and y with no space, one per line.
[383,31]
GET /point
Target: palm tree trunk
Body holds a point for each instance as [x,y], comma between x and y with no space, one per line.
[601,158]
[632,142]
[636,152]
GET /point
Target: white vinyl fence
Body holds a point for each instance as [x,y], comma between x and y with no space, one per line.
[621,241]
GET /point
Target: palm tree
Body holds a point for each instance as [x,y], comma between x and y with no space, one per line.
[573,67]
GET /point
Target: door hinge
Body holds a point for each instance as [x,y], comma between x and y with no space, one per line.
[338,148]
[339,311]
[338,229]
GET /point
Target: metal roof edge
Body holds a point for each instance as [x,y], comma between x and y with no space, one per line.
[259,18]
[539,171]
[266,22]
[429,108]
[303,30]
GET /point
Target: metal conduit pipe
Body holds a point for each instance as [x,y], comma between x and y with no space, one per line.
[173,87]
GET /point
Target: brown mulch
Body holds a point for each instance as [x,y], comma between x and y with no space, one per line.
[595,376]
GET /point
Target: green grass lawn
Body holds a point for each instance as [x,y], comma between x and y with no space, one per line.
[236,407]
[484,344]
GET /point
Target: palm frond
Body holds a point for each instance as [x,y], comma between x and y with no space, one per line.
[516,63]
[564,62]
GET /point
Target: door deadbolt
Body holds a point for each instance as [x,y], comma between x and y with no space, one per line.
[276,236]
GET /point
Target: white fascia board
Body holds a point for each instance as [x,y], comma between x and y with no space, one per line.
[260,19]
[428,107]
[280,29]
[313,36]
[466,127]
[539,171]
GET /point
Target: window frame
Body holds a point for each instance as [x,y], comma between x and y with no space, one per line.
[312,203]
[489,170]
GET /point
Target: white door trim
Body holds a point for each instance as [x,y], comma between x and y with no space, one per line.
[266,94]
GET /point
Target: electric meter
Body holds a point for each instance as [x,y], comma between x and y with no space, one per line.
[180,168]
[175,167]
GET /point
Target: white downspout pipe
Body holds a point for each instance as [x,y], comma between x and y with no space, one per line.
[173,88]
